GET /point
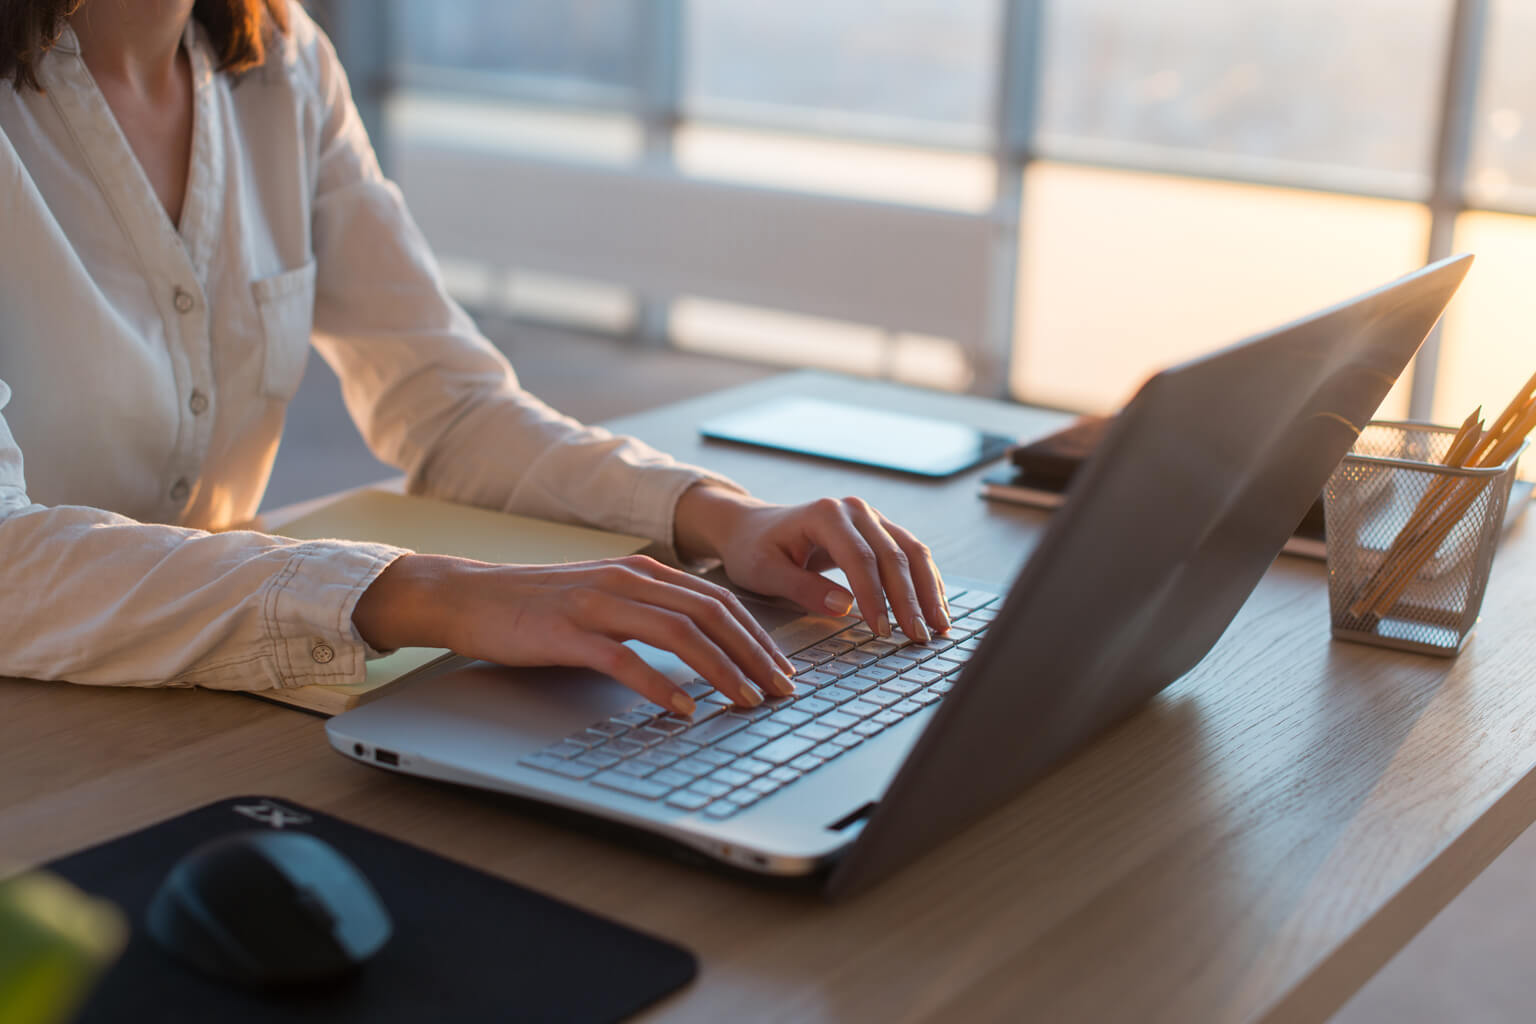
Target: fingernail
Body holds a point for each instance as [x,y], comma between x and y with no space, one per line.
[839,603]
[784,663]
[753,698]
[682,703]
[921,633]
[782,686]
[882,625]
[944,621]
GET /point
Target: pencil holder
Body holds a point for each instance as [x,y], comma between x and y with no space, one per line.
[1410,540]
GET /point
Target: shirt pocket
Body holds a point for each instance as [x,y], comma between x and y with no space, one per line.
[286,305]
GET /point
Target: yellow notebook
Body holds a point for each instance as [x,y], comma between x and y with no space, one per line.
[435,528]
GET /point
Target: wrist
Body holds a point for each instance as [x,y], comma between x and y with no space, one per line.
[707,515]
[407,605]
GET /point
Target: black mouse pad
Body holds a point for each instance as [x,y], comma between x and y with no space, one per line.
[466,946]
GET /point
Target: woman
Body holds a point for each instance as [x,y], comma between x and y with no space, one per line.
[188,200]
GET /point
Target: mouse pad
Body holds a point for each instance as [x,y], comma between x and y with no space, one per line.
[467,946]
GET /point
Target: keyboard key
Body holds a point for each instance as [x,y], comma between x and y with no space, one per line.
[867,729]
[942,686]
[671,779]
[769,730]
[698,688]
[559,766]
[879,648]
[805,762]
[632,718]
[564,750]
[741,743]
[656,759]
[877,673]
[763,786]
[887,718]
[621,748]
[730,777]
[650,737]
[717,728]
[722,808]
[884,696]
[969,645]
[816,731]
[752,766]
[813,705]
[671,725]
[599,759]
[834,646]
[586,738]
[982,615]
[846,740]
[910,656]
[855,658]
[693,767]
[857,634]
[682,748]
[784,776]
[609,729]
[803,664]
[709,788]
[792,717]
[836,694]
[925,697]
[906,684]
[714,757]
[813,680]
[859,708]
[649,709]
[643,788]
[907,707]
[688,801]
[827,751]
[838,720]
[967,600]
[785,749]
[921,676]
[639,769]
[760,712]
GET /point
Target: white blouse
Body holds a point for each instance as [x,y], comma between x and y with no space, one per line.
[145,368]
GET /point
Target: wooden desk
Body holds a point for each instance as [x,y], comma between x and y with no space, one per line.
[1252,846]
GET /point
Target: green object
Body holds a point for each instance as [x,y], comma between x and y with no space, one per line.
[54,942]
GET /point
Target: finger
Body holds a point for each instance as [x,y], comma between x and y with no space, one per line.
[925,575]
[834,531]
[895,569]
[622,618]
[614,659]
[732,605]
[748,649]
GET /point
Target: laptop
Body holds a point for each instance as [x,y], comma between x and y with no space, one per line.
[890,747]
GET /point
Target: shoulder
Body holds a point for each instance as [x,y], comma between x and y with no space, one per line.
[301,58]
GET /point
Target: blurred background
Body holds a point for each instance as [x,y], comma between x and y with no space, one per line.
[1043,199]
[1074,193]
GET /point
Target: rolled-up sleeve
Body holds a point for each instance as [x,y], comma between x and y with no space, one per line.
[430,394]
[90,596]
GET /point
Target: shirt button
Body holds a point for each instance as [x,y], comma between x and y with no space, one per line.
[323,653]
[180,490]
[184,301]
[198,403]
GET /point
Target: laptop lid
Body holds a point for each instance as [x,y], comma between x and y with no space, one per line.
[1165,533]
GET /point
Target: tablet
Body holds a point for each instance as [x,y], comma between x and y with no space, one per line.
[851,433]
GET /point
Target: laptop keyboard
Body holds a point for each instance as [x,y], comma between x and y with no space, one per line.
[849,687]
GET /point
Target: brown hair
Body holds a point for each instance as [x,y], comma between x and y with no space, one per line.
[239,29]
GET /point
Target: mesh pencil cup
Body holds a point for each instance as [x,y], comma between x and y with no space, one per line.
[1411,541]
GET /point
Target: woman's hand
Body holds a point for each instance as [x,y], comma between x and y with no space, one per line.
[781,549]
[579,615]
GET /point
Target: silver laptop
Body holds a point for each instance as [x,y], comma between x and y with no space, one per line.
[889,747]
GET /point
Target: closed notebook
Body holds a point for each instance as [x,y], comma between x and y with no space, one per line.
[434,527]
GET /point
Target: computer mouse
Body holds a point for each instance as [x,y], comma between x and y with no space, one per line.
[268,908]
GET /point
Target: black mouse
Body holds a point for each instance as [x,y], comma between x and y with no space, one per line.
[268,908]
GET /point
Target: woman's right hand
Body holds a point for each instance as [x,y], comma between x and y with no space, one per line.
[579,615]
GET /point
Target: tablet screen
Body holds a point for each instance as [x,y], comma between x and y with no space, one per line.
[850,433]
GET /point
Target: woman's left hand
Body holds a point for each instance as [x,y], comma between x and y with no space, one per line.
[780,550]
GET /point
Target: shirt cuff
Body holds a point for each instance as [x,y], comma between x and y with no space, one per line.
[308,612]
[653,505]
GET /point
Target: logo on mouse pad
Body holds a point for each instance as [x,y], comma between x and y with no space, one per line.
[273,815]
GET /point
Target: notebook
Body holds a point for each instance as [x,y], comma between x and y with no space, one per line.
[434,527]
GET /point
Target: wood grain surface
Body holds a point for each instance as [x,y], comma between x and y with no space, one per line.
[1252,846]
